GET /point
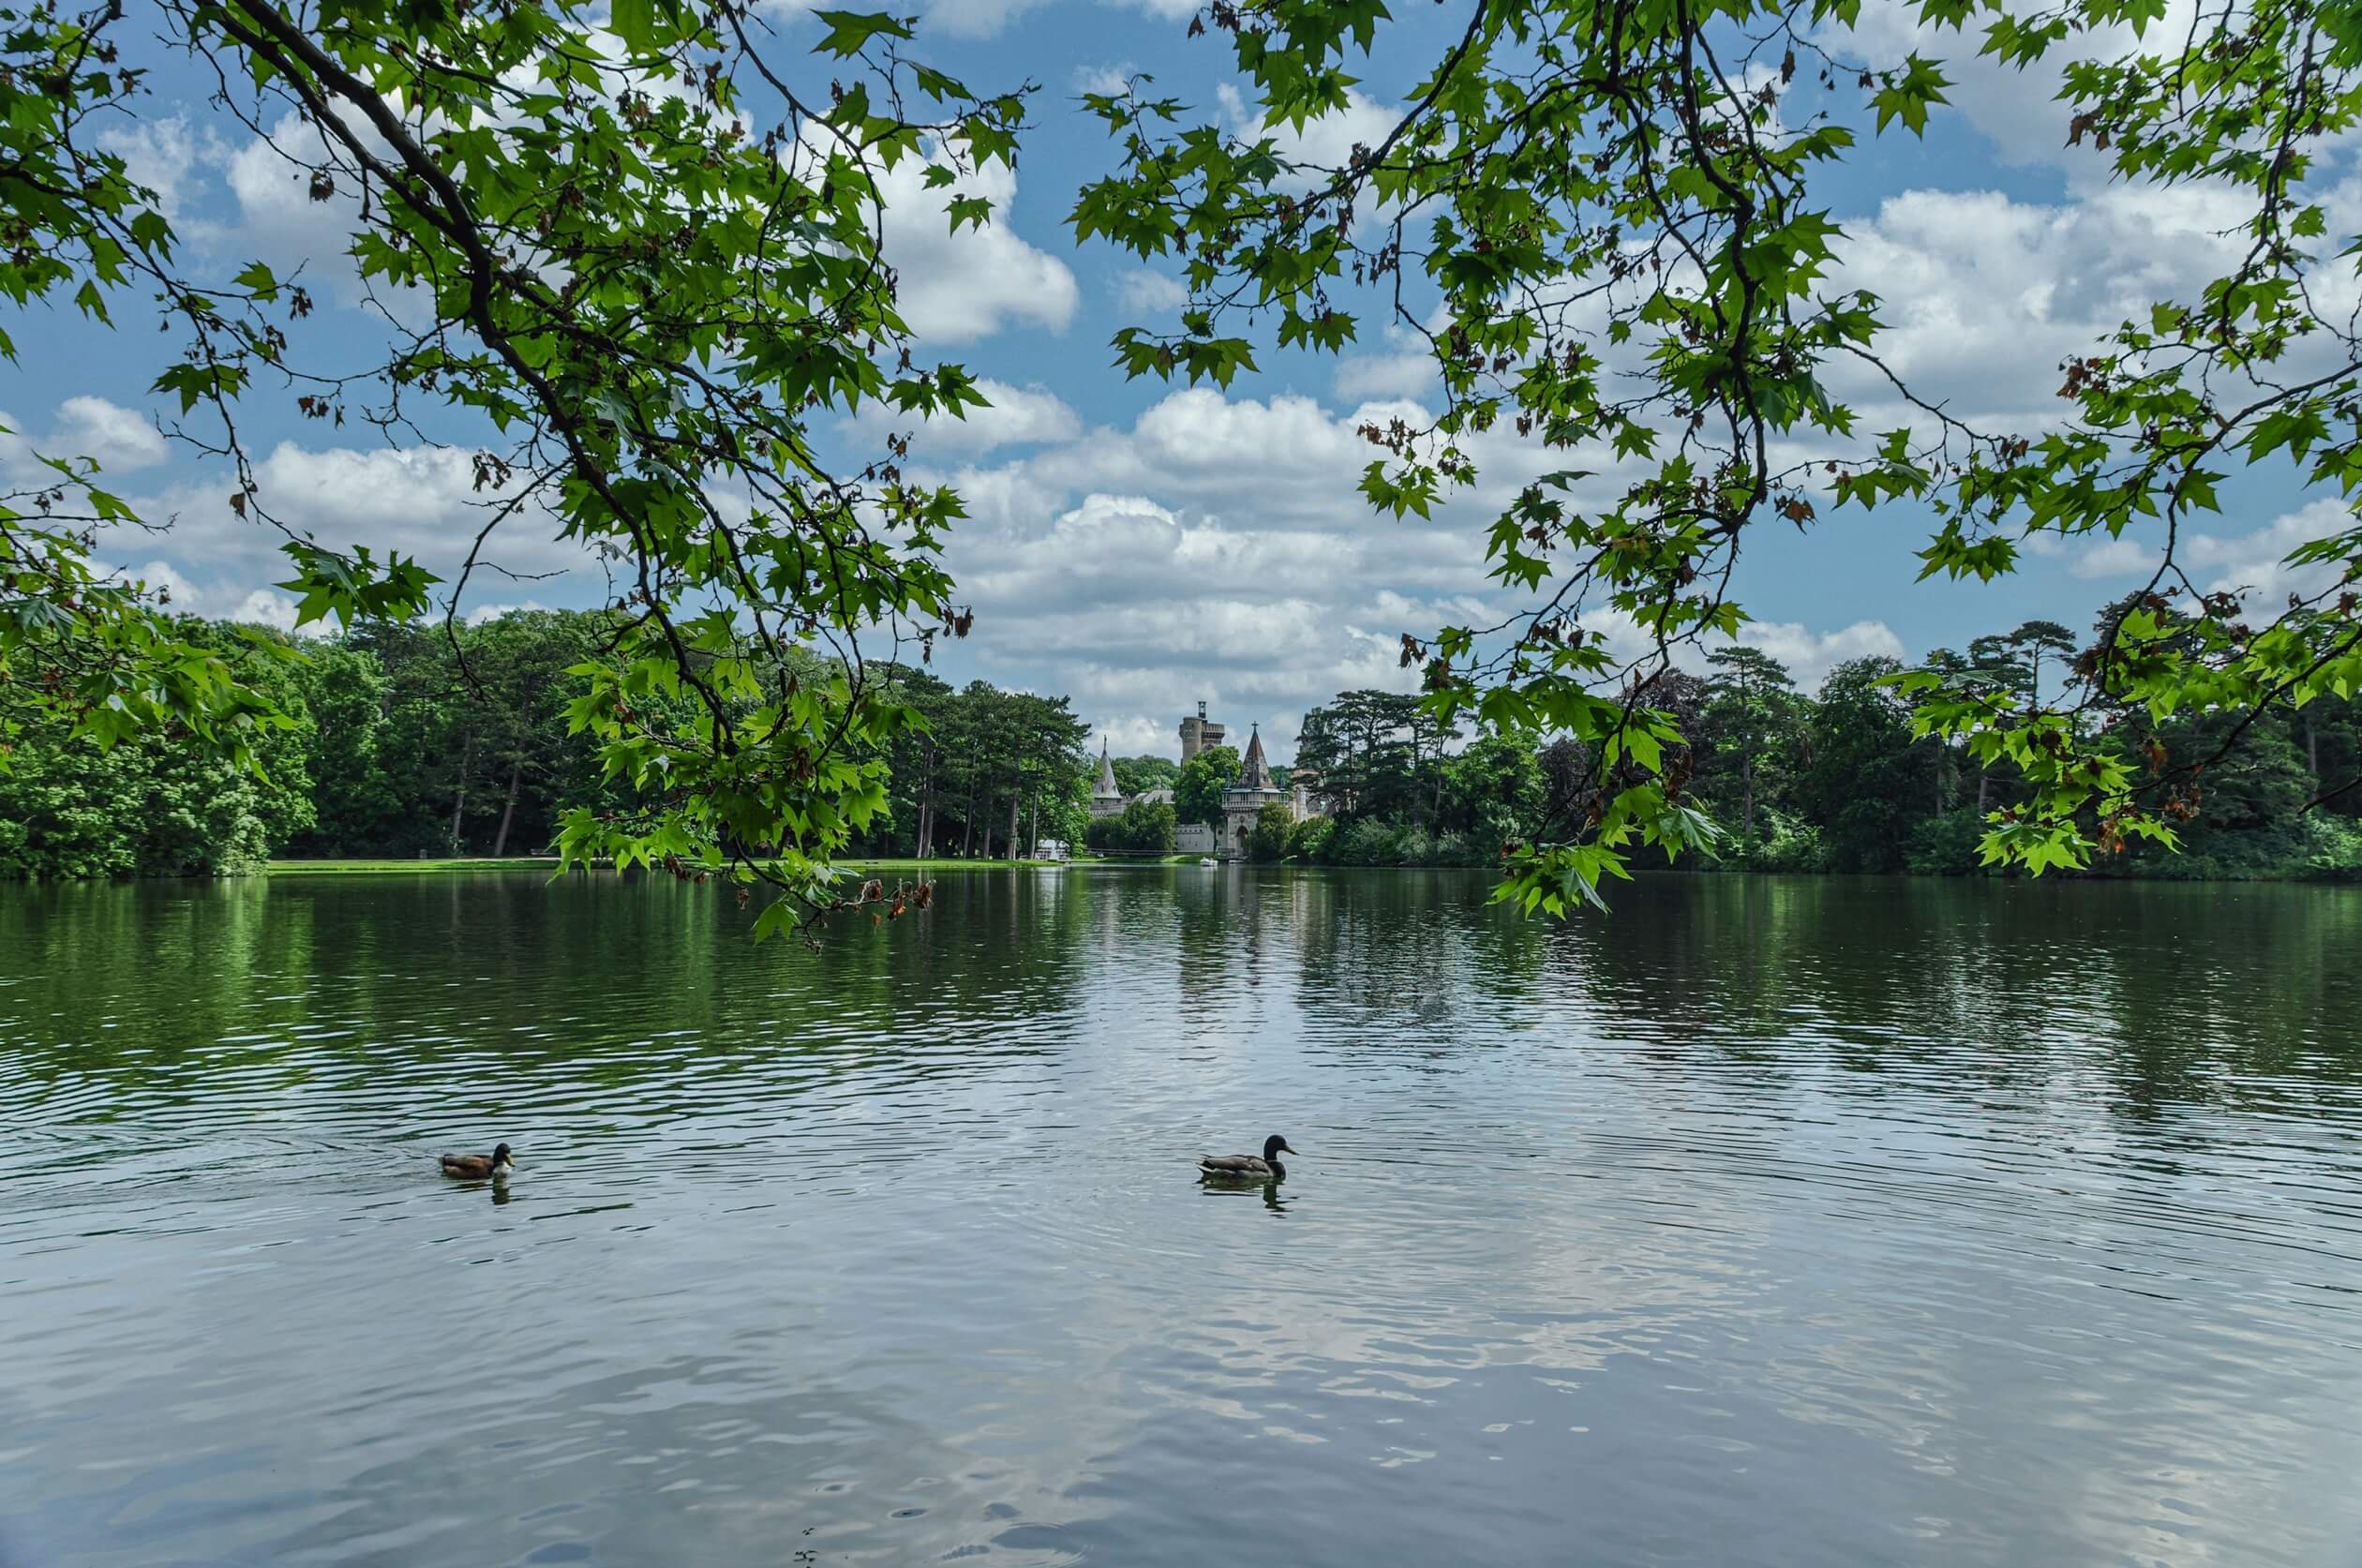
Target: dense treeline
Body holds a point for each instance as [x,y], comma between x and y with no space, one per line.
[1837,781]
[400,740]
[406,739]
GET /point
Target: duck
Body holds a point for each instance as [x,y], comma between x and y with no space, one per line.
[474,1168]
[1247,1168]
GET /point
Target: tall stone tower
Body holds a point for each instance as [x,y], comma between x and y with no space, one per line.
[1198,732]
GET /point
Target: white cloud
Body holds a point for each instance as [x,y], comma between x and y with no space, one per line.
[278,222]
[1401,365]
[956,288]
[1139,735]
[1809,655]
[222,599]
[117,438]
[1018,416]
[163,154]
[1984,296]
[2019,110]
[1144,291]
[1103,79]
[266,607]
[422,503]
[2091,557]
[1325,143]
[975,18]
[483,613]
[2254,563]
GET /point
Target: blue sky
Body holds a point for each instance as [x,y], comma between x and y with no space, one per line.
[1142,546]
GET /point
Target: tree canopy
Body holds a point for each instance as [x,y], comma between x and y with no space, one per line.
[627,255]
[1611,226]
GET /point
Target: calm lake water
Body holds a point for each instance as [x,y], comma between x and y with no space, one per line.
[1767,1221]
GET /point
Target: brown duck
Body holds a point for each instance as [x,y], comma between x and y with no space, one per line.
[1247,1168]
[474,1168]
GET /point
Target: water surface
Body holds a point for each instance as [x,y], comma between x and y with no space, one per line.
[1769,1221]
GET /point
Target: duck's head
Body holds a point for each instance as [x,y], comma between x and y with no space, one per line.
[1274,1146]
[500,1160]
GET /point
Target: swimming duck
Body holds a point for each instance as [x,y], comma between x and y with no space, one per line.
[1247,1168]
[474,1168]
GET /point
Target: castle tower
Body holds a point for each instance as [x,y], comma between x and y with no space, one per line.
[1106,798]
[1246,798]
[1255,774]
[1199,732]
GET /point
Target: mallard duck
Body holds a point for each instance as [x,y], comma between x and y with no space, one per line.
[474,1168]
[1247,1168]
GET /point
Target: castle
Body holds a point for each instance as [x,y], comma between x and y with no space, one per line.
[1248,794]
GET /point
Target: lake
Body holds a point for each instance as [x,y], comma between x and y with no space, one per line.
[1764,1221]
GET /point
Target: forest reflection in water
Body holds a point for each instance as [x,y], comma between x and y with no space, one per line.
[1769,1220]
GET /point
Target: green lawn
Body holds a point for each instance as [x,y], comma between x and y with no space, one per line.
[549,863]
[513,862]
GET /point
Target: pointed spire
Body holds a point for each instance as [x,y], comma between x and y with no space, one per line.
[1255,774]
[1105,789]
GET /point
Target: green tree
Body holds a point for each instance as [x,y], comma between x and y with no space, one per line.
[639,260]
[1137,775]
[1267,841]
[1147,828]
[1492,793]
[1750,714]
[518,673]
[1360,745]
[1198,791]
[1616,229]
[2031,641]
[344,689]
[1861,783]
[149,806]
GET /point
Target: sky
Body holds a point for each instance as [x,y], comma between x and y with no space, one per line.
[1142,546]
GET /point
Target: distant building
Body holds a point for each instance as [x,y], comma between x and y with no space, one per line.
[1199,733]
[1246,798]
[1254,789]
[1106,800]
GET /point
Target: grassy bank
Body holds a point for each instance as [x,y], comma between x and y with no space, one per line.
[331,868]
[546,863]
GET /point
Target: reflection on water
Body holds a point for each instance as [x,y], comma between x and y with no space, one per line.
[1769,1221]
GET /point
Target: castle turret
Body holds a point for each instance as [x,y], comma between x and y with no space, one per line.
[1106,798]
[1198,732]
[1255,774]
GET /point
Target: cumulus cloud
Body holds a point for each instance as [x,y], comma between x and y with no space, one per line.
[1144,291]
[957,287]
[1136,609]
[279,220]
[1984,296]
[2095,559]
[2018,111]
[420,501]
[1810,655]
[2255,563]
[1328,143]
[119,439]
[218,598]
[1018,416]
[165,155]
[1103,79]
[115,435]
